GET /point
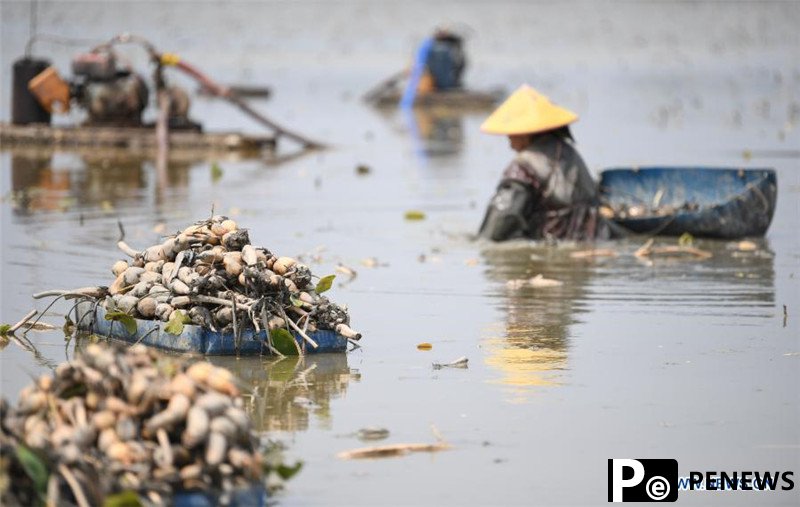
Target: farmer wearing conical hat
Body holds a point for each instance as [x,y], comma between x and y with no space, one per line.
[546,192]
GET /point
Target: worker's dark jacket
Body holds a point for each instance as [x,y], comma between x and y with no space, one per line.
[546,192]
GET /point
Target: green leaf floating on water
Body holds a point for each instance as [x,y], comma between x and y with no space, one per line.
[123,499]
[126,320]
[216,172]
[283,341]
[324,283]
[415,215]
[35,469]
[175,324]
[287,472]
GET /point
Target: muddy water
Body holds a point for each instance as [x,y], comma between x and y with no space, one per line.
[687,360]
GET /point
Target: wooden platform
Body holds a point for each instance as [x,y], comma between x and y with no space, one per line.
[455,99]
[141,140]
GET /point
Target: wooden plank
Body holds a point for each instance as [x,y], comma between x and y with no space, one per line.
[141,139]
[456,99]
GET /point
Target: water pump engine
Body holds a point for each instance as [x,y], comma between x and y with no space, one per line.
[110,95]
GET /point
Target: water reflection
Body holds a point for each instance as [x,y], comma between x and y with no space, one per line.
[35,184]
[290,392]
[47,180]
[282,394]
[436,132]
[735,284]
[531,347]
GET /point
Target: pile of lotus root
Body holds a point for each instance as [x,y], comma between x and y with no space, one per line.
[213,275]
[116,420]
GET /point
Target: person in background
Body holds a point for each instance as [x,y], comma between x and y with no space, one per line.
[546,192]
[444,64]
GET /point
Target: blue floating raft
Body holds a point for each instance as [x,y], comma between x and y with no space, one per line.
[709,202]
[90,317]
[253,496]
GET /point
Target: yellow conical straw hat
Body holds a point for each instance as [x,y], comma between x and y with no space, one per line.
[527,111]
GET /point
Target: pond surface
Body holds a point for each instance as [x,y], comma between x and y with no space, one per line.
[696,361]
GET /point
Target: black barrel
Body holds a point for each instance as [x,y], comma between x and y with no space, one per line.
[24,106]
